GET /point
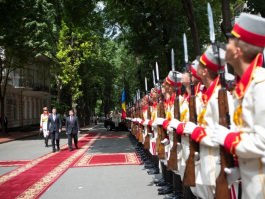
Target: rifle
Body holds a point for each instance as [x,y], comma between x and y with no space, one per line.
[189,174]
[173,159]
[140,133]
[137,115]
[222,190]
[147,137]
[227,161]
[161,135]
[128,111]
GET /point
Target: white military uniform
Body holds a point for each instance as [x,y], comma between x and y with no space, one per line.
[208,118]
[249,141]
[144,121]
[154,128]
[184,117]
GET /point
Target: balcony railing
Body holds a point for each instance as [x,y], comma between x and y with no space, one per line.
[19,82]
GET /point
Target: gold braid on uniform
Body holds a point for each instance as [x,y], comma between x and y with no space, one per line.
[238,116]
[168,115]
[201,116]
[183,115]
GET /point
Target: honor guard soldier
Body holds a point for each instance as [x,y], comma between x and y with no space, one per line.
[246,139]
[174,154]
[184,117]
[208,118]
[153,103]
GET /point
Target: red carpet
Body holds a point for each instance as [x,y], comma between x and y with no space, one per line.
[13,163]
[113,136]
[33,178]
[89,160]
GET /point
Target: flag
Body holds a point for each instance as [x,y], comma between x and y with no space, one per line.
[123,106]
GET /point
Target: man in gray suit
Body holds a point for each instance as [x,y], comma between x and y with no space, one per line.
[72,129]
[55,127]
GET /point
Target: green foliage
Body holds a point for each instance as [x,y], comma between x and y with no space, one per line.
[73,49]
[61,107]
[256,7]
[97,50]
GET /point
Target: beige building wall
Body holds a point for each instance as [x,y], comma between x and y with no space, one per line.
[23,106]
[27,93]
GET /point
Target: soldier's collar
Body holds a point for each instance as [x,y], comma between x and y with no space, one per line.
[243,84]
[209,92]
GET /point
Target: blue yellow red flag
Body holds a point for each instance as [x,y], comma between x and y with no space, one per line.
[123,105]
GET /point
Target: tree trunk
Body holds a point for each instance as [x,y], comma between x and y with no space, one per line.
[59,90]
[188,7]
[226,25]
[3,86]
[3,114]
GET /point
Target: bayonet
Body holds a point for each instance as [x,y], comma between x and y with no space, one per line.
[154,78]
[172,60]
[157,72]
[145,81]
[186,57]
[211,24]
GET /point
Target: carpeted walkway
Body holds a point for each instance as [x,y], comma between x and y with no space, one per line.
[89,160]
[33,178]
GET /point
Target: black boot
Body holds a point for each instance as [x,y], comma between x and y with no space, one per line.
[58,145]
[46,141]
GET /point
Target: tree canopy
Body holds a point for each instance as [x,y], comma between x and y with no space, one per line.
[98,47]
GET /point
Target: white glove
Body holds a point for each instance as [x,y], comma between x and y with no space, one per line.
[233,175]
[219,134]
[165,141]
[189,127]
[150,135]
[179,148]
[196,156]
[60,130]
[146,122]
[154,124]
[40,129]
[139,120]
[159,120]
[174,123]
[170,129]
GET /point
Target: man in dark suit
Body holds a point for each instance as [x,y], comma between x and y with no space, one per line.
[72,129]
[55,127]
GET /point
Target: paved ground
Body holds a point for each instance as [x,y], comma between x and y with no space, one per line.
[112,182]
[121,144]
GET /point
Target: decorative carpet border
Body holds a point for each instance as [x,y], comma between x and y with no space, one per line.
[113,136]
[19,170]
[44,183]
[13,163]
[86,160]
[23,168]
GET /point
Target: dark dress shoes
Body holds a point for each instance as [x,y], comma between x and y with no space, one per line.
[153,171]
[162,183]
[156,181]
[167,190]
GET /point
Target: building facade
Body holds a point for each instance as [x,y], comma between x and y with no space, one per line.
[28,91]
